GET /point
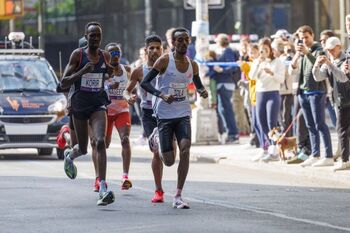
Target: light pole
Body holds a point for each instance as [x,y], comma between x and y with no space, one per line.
[41,24]
[204,120]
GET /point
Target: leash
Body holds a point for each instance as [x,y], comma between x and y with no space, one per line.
[290,126]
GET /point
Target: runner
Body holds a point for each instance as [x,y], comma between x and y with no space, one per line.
[172,107]
[86,70]
[118,111]
[153,49]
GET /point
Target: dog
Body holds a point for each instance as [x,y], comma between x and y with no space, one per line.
[284,143]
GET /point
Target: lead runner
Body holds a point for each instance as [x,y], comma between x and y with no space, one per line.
[174,71]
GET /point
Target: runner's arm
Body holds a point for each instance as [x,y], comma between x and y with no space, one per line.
[69,75]
[134,78]
[197,81]
[146,82]
[159,67]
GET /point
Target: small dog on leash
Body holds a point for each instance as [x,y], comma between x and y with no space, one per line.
[284,143]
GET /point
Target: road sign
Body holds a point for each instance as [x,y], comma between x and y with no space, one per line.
[10,9]
[213,4]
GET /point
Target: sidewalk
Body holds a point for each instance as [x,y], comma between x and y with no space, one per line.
[240,155]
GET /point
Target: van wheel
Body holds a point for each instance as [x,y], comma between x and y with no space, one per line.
[60,153]
[45,151]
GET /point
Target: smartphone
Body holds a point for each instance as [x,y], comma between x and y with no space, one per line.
[300,42]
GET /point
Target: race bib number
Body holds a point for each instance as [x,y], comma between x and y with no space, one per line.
[117,93]
[91,82]
[178,90]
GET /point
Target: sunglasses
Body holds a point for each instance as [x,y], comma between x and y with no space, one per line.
[115,53]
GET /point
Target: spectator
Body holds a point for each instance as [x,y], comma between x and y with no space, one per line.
[336,69]
[286,87]
[268,71]
[325,34]
[223,76]
[312,97]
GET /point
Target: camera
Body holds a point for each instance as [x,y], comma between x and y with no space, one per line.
[300,42]
[322,53]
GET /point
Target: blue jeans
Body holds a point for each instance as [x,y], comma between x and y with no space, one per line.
[227,110]
[313,107]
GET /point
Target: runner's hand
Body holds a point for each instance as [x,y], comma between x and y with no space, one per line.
[88,68]
[132,99]
[167,98]
[203,93]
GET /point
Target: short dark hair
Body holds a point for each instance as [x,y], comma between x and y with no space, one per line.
[178,30]
[304,29]
[152,38]
[328,33]
[93,23]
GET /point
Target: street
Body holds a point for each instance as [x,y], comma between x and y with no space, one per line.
[36,196]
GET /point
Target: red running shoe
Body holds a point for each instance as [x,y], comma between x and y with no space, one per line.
[158,197]
[97,185]
[60,140]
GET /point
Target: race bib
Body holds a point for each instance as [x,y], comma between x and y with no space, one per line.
[91,82]
[117,93]
[178,90]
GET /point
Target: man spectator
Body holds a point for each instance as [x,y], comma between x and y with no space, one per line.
[336,69]
[223,75]
[311,96]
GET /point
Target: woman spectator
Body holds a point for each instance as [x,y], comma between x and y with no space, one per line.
[269,73]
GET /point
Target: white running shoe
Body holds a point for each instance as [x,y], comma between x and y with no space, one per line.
[262,153]
[311,160]
[324,162]
[341,166]
[270,157]
[178,203]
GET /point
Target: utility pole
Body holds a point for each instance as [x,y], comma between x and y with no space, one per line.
[148,17]
[41,24]
[12,25]
[342,22]
[204,118]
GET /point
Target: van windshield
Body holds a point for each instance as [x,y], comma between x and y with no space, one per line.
[26,75]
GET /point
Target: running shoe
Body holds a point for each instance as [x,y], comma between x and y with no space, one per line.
[69,168]
[97,184]
[153,140]
[158,197]
[126,183]
[105,198]
[178,203]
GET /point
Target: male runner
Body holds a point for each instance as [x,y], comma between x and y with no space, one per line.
[69,128]
[86,70]
[153,49]
[172,107]
[118,111]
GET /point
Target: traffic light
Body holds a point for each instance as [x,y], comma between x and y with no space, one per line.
[10,9]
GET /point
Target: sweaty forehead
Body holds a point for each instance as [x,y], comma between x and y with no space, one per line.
[180,34]
[94,29]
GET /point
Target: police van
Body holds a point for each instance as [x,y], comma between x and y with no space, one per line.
[31,110]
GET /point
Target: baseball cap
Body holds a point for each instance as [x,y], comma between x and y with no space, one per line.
[281,33]
[221,37]
[331,42]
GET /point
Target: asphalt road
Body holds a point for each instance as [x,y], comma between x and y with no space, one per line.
[36,196]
